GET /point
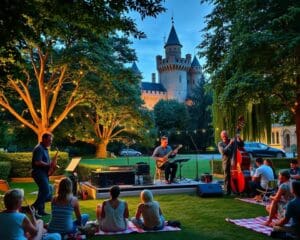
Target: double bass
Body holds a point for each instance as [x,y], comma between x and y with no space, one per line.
[240,157]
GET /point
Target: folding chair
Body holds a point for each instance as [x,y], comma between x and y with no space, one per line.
[159,174]
[270,189]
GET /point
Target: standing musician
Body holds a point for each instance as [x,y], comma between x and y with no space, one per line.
[227,148]
[42,168]
[161,155]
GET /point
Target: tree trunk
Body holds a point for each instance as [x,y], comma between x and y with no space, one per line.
[101,149]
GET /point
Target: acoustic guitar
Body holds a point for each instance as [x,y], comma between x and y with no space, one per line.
[160,163]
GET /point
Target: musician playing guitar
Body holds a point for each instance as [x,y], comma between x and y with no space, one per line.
[228,147]
[42,168]
[161,155]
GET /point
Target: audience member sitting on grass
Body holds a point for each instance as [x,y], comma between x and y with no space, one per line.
[294,169]
[269,163]
[62,207]
[152,218]
[292,212]
[263,174]
[277,207]
[112,215]
[16,225]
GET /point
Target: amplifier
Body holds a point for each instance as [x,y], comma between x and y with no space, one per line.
[142,168]
[209,190]
[110,178]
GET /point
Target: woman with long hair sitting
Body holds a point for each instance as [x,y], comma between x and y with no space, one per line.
[62,207]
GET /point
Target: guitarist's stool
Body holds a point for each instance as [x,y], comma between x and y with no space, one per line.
[159,174]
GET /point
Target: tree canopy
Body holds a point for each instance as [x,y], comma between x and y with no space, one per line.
[253,52]
[49,50]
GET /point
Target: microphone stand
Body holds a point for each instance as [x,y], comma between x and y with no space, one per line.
[197,150]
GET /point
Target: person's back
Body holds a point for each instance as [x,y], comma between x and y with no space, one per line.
[11,226]
[61,216]
[63,206]
[266,174]
[149,210]
[114,219]
[150,213]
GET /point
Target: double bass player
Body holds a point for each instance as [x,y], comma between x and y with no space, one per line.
[228,147]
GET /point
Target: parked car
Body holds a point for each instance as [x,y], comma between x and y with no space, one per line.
[257,149]
[130,152]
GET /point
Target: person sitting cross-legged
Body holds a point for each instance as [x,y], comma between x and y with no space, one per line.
[292,213]
[149,210]
[62,208]
[279,202]
[16,225]
[112,215]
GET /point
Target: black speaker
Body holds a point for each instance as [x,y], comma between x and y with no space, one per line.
[209,190]
[109,178]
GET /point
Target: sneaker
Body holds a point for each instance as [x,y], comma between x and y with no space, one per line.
[167,182]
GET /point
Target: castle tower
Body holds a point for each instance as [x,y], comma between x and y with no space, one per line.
[137,72]
[195,76]
[173,70]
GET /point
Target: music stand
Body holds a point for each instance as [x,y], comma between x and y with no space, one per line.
[73,175]
[180,161]
[73,164]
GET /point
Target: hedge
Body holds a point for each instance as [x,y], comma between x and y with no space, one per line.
[279,163]
[5,168]
[21,163]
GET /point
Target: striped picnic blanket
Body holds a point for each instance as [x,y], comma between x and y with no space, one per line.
[134,229]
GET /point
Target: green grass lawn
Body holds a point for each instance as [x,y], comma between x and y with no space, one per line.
[188,168]
[201,218]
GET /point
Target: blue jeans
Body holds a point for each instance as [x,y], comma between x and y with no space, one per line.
[51,236]
[45,193]
[84,218]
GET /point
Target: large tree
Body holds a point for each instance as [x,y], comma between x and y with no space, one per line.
[36,65]
[253,56]
[116,114]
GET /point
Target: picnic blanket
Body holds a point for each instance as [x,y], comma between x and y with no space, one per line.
[251,200]
[254,224]
[131,228]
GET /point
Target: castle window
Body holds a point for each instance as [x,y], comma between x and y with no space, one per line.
[277,137]
[179,78]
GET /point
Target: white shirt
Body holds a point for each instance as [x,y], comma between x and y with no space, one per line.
[265,173]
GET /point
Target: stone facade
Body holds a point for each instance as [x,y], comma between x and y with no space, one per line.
[284,137]
[177,76]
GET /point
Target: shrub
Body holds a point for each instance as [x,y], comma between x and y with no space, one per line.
[21,163]
[5,168]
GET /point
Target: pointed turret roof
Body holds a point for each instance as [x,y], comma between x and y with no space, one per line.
[173,39]
[135,69]
[195,62]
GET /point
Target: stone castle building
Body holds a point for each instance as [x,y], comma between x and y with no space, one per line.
[284,137]
[177,76]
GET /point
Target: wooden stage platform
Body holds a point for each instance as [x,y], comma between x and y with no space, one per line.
[158,187]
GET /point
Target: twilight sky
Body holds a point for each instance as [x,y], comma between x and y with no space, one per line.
[188,21]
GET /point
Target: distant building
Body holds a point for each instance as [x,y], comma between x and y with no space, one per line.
[177,76]
[284,137]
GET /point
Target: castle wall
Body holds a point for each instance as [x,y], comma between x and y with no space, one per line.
[176,84]
[151,98]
